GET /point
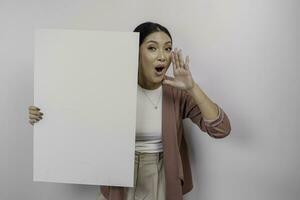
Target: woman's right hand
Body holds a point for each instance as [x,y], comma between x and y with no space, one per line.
[34,114]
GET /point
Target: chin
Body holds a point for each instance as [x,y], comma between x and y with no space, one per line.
[158,79]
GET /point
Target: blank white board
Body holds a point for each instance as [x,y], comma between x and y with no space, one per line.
[85,83]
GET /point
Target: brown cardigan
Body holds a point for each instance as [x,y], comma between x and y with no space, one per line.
[177,105]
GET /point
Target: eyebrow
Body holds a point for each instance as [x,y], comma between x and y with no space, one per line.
[157,42]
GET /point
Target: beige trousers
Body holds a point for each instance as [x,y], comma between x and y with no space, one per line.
[149,178]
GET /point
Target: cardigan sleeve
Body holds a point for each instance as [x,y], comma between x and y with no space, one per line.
[216,128]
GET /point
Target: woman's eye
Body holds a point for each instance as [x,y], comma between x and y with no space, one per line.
[169,49]
[151,48]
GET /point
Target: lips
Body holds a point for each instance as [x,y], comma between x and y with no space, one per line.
[159,70]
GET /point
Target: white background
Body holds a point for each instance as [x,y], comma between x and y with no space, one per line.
[244,55]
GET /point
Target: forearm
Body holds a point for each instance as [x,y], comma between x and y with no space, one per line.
[208,108]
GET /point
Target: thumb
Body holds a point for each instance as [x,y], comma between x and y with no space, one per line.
[168,82]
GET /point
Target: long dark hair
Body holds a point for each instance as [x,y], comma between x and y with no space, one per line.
[147,28]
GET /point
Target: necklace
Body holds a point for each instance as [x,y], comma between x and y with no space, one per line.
[155,105]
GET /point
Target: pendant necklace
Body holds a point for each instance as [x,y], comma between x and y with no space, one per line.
[155,105]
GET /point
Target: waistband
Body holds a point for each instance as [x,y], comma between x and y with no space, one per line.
[143,156]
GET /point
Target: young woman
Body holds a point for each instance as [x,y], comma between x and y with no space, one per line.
[162,170]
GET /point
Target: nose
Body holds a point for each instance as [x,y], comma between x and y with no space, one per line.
[162,57]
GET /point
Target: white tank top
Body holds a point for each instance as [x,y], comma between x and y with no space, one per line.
[148,120]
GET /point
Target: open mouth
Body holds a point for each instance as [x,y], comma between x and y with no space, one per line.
[159,69]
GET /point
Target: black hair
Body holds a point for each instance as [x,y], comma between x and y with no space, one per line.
[147,28]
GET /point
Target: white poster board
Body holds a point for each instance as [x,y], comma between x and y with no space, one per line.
[85,83]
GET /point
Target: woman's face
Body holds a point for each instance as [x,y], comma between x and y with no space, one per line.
[154,59]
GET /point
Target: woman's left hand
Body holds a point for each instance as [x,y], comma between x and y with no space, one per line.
[182,75]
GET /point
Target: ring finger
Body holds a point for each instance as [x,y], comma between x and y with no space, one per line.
[177,59]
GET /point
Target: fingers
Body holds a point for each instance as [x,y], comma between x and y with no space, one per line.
[37,117]
[32,121]
[178,60]
[187,63]
[180,57]
[173,61]
[34,114]
[33,108]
